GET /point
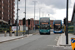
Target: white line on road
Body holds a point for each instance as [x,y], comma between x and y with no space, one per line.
[56,39]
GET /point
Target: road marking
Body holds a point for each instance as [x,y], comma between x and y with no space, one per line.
[50,45]
[56,39]
[29,35]
[69,47]
[55,46]
[58,46]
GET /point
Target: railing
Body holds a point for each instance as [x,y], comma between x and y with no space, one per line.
[4,29]
[71,29]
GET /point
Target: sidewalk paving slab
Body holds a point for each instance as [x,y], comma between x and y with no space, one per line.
[62,40]
[10,38]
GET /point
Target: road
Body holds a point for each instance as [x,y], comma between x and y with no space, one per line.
[34,42]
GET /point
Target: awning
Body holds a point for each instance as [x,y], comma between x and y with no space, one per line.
[3,21]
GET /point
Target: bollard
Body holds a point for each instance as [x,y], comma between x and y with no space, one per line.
[15,33]
[18,33]
[10,33]
[5,34]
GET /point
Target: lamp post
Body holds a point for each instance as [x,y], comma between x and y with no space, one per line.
[17,19]
[24,27]
[67,23]
[25,15]
[34,13]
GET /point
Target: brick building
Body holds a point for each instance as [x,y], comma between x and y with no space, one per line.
[31,23]
[31,26]
[7,11]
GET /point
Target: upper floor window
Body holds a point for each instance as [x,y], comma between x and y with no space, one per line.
[0,6]
[0,17]
[0,12]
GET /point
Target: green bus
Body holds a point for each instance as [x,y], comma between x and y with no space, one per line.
[44,24]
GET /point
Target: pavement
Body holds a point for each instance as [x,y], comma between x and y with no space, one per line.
[7,38]
[62,40]
[11,38]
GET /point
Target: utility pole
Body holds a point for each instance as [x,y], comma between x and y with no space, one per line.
[34,13]
[67,23]
[25,16]
[17,19]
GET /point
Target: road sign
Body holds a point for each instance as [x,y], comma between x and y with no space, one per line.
[73,43]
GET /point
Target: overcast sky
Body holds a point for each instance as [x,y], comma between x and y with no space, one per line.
[55,9]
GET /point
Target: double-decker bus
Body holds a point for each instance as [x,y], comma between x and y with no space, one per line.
[44,24]
[57,26]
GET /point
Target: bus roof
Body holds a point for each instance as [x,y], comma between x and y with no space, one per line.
[44,17]
[57,20]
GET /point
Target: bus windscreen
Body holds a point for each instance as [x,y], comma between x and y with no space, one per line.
[57,25]
[57,22]
[44,20]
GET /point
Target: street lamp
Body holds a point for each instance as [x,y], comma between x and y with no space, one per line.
[17,19]
[24,26]
[25,15]
[67,23]
[34,13]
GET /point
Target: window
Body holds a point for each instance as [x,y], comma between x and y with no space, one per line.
[0,12]
[0,6]
[0,17]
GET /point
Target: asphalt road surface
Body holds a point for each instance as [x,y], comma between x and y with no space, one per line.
[34,42]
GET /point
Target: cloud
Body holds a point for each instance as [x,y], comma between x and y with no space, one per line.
[55,8]
[60,4]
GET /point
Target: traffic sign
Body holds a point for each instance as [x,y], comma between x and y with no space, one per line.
[73,43]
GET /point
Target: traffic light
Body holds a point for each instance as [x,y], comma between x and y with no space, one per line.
[64,21]
[24,21]
[28,21]
[9,22]
[18,0]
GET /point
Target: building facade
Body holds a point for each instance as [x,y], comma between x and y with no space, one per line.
[31,26]
[7,11]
